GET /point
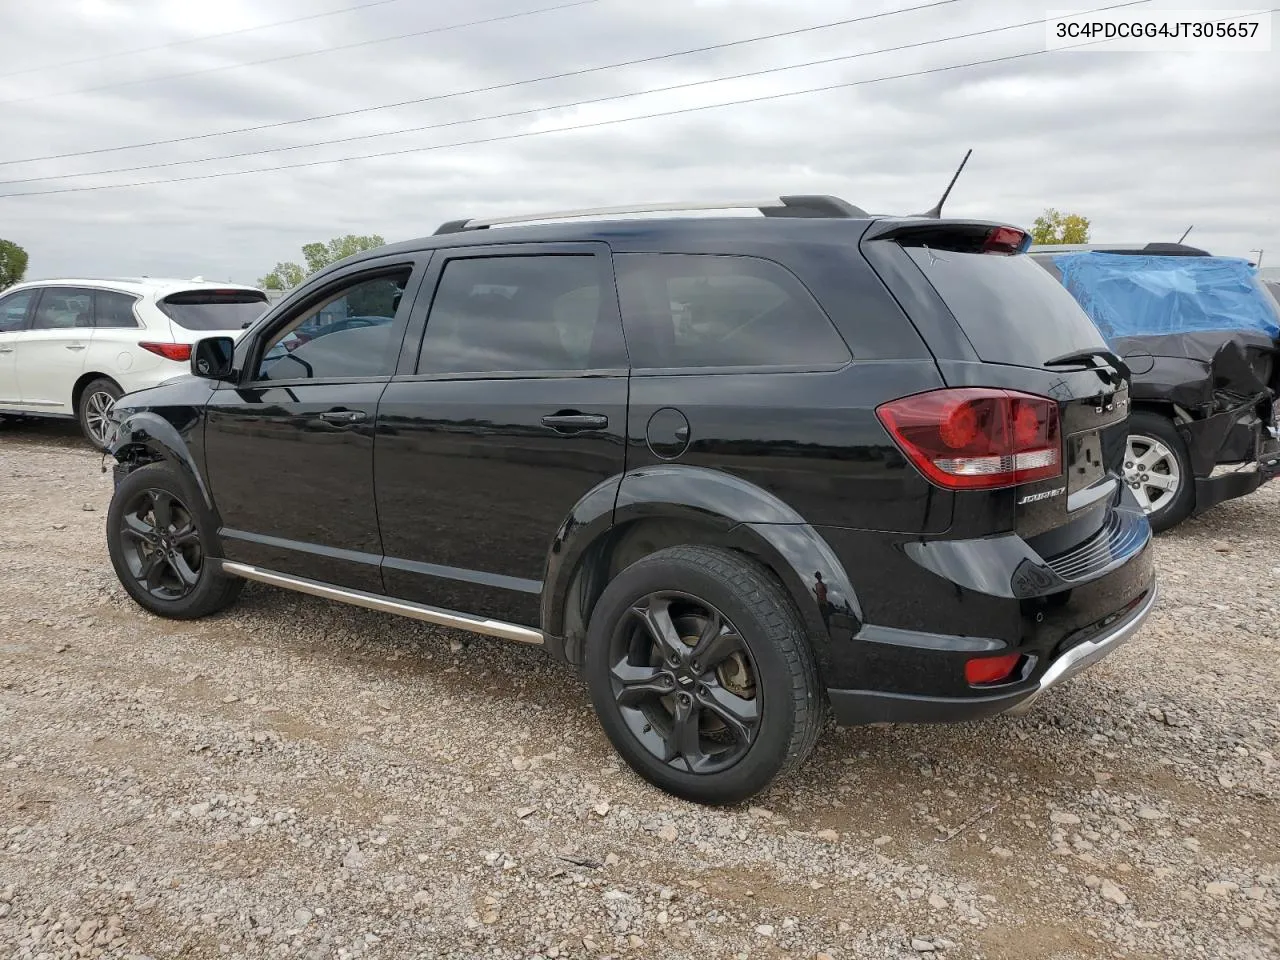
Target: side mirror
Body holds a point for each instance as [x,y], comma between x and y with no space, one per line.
[212,357]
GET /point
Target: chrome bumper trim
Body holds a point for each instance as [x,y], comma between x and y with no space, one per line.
[1088,653]
[372,601]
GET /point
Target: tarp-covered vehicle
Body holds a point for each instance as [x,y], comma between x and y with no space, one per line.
[1201,337]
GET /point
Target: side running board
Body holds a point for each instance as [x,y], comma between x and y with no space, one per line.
[372,601]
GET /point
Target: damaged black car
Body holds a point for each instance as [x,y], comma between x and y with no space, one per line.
[1201,337]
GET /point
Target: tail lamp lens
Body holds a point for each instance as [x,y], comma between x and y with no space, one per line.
[170,351]
[991,669]
[1006,240]
[977,438]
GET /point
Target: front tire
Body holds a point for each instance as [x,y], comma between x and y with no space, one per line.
[1157,468]
[94,411]
[159,536]
[701,673]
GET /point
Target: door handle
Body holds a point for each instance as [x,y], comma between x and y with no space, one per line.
[75,346]
[344,416]
[570,421]
[6,349]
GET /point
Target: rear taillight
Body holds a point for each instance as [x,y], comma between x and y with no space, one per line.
[991,669]
[977,438]
[170,351]
[1006,240]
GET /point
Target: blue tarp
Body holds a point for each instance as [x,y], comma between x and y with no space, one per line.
[1136,296]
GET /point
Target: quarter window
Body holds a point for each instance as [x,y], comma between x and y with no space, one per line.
[521,314]
[347,335]
[112,309]
[63,308]
[721,311]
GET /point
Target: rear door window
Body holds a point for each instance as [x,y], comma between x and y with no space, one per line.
[214,309]
[1010,308]
[684,311]
[63,308]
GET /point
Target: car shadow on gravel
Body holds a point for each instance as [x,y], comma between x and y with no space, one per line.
[44,433]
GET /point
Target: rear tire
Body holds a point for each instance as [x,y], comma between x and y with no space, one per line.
[731,699]
[160,536]
[94,409]
[1156,459]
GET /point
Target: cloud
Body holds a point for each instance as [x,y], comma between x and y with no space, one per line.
[1144,144]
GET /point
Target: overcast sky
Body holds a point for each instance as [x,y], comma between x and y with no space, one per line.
[1143,144]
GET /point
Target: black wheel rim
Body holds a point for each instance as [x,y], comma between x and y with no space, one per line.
[161,544]
[685,683]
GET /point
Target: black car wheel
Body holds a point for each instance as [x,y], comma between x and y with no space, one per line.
[1157,468]
[159,536]
[94,410]
[701,673]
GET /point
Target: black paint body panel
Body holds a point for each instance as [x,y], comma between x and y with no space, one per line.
[452,490]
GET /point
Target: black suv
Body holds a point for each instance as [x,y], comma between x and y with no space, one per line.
[734,469]
[1201,337]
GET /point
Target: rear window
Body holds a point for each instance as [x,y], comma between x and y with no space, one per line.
[214,309]
[1011,310]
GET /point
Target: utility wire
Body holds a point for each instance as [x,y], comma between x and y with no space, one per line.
[489,89]
[526,134]
[533,110]
[684,111]
[526,111]
[189,40]
[307,53]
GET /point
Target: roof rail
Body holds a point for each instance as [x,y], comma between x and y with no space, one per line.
[1150,250]
[789,206]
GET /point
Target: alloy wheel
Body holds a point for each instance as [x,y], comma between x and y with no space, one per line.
[685,682]
[97,415]
[161,544]
[1151,470]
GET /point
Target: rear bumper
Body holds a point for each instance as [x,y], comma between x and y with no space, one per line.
[871,706]
[1211,491]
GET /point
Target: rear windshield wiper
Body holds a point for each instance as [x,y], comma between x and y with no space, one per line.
[1096,360]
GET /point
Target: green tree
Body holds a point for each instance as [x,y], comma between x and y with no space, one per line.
[285,276]
[1052,227]
[320,255]
[13,263]
[288,275]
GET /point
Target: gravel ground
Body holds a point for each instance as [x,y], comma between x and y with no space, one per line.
[295,778]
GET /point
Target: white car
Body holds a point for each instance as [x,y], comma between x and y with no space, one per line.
[71,348]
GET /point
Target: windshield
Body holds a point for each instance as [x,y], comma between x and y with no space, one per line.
[214,309]
[1011,310]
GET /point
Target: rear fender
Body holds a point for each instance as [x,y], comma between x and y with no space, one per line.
[711,508]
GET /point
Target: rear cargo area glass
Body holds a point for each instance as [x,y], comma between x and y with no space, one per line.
[1011,310]
[214,309]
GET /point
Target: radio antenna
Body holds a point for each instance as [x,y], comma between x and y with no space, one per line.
[936,211]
